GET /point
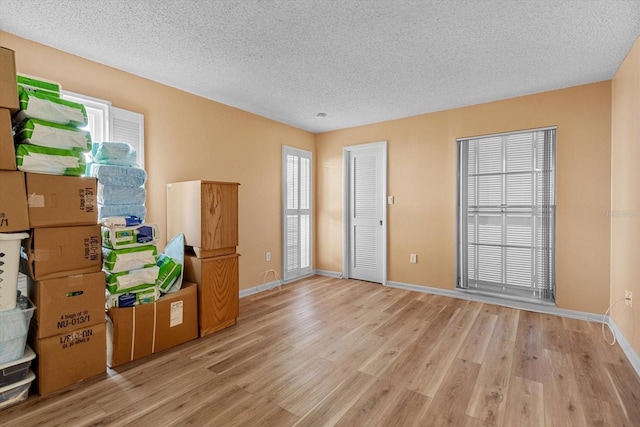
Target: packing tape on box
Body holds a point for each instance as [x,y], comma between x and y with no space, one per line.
[133,331]
[41,254]
[35,200]
[153,340]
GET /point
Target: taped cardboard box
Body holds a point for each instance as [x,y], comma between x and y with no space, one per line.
[139,331]
[7,150]
[70,357]
[55,200]
[61,251]
[14,215]
[8,86]
[67,303]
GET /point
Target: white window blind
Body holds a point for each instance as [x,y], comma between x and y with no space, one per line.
[108,123]
[128,126]
[296,195]
[506,208]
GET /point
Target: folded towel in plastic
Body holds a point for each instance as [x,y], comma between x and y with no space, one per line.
[121,221]
[119,175]
[53,135]
[53,161]
[119,260]
[38,105]
[132,280]
[114,153]
[105,211]
[146,295]
[129,237]
[119,195]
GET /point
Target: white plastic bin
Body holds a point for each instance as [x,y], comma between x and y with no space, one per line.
[14,327]
[12,372]
[16,392]
[9,262]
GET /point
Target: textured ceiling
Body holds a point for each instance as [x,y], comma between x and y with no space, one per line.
[359,61]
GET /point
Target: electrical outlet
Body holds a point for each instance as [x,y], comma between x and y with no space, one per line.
[267,256]
[413,258]
[628,298]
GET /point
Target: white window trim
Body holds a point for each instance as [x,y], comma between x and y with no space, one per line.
[109,113]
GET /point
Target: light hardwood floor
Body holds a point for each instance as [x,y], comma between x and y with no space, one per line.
[343,352]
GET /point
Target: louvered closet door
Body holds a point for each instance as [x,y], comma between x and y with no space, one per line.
[366,214]
[507,214]
[296,195]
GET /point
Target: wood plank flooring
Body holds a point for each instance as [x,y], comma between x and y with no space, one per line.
[324,352]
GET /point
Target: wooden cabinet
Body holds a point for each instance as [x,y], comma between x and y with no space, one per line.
[207,213]
[218,290]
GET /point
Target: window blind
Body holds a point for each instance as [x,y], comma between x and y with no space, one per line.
[296,186]
[506,214]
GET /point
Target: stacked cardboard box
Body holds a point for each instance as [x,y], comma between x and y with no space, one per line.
[15,376]
[63,260]
[13,196]
[62,256]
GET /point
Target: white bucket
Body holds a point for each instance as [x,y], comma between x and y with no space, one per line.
[9,262]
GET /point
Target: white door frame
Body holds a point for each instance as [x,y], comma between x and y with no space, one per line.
[346,243]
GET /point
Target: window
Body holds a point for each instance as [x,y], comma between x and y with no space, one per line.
[97,114]
[506,214]
[108,123]
[296,217]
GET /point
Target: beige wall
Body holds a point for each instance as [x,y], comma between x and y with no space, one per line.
[422,177]
[187,138]
[234,145]
[625,194]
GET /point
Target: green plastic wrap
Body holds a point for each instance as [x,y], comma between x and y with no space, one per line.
[52,135]
[54,161]
[38,105]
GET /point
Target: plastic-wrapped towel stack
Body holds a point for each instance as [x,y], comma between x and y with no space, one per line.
[121,189]
[130,261]
[136,273]
[48,137]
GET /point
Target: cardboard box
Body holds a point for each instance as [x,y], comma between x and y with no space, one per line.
[8,80]
[7,150]
[13,202]
[131,338]
[69,358]
[67,303]
[62,251]
[56,200]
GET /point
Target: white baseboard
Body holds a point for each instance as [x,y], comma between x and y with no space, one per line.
[310,274]
[633,357]
[260,288]
[522,305]
[271,285]
[327,273]
[539,308]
